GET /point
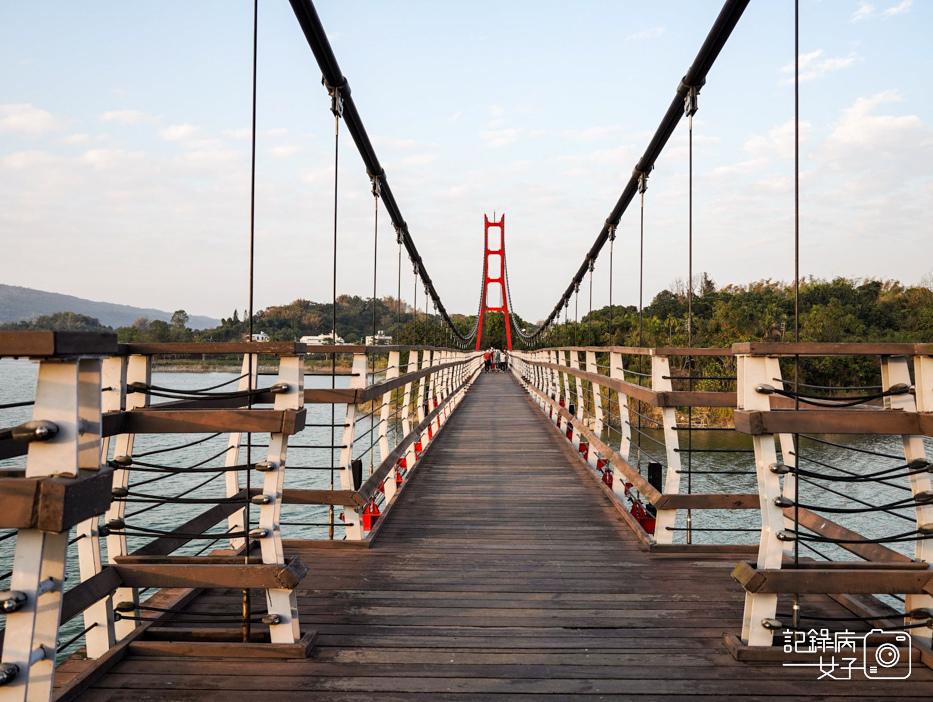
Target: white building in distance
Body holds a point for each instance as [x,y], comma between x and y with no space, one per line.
[323,340]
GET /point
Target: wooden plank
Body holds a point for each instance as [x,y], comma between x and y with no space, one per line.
[771,348]
[711,501]
[52,344]
[224,649]
[340,396]
[86,593]
[652,397]
[379,389]
[827,421]
[830,580]
[205,421]
[277,348]
[824,527]
[260,576]
[167,599]
[165,545]
[54,504]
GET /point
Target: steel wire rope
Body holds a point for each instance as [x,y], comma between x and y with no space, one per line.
[796,436]
[337,110]
[252,258]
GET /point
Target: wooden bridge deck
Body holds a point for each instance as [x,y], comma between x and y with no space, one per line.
[502,572]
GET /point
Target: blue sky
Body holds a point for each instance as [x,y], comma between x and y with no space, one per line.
[124,146]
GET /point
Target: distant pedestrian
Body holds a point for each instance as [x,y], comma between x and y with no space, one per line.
[487,361]
[496,360]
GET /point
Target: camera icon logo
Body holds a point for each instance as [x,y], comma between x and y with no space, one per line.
[889,648]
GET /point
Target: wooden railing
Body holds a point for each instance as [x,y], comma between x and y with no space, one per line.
[96,404]
[792,458]
[608,401]
[801,486]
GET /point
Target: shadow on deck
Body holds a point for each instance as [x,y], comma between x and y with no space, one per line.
[502,571]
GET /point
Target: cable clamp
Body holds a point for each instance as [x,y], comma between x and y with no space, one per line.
[691,104]
[377,188]
[642,178]
[336,96]
[612,232]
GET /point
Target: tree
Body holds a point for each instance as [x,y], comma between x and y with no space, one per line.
[180,319]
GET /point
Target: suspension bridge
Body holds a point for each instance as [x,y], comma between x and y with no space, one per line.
[568,528]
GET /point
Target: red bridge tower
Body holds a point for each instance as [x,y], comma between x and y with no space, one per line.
[494,275]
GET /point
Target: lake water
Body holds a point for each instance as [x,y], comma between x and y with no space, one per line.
[716,459]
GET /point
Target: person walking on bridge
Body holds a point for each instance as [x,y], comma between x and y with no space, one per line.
[487,360]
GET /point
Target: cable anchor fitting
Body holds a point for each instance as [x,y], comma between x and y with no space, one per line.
[642,179]
[377,190]
[691,104]
[336,98]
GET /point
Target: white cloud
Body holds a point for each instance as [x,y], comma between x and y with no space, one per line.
[419,160]
[812,68]
[593,133]
[455,116]
[779,144]
[860,136]
[127,117]
[897,9]
[278,132]
[498,137]
[283,151]
[27,120]
[22,160]
[74,139]
[864,11]
[179,132]
[496,111]
[652,33]
[243,133]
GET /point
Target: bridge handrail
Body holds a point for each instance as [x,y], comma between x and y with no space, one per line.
[415,389]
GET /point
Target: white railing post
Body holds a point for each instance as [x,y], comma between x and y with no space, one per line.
[591,367]
[661,382]
[281,602]
[406,408]
[353,516]
[573,362]
[98,618]
[67,395]
[391,374]
[138,370]
[894,371]
[754,371]
[236,522]
[422,382]
[617,372]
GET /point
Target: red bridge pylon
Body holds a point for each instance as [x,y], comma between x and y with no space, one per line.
[493,261]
